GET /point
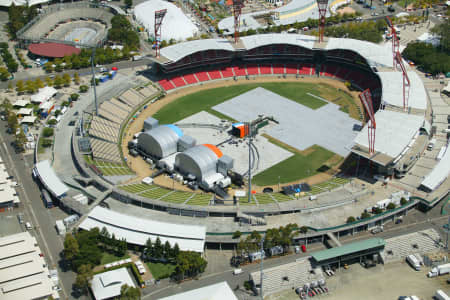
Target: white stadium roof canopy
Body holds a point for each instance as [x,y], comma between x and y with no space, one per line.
[392,83]
[137,230]
[178,51]
[21,2]
[254,41]
[394,132]
[375,54]
[176,25]
[50,179]
[218,291]
[439,173]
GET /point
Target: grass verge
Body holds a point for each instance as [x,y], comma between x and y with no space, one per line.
[160,270]
[109,258]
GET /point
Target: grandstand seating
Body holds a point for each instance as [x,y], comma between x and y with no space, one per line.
[105,150]
[227,72]
[147,91]
[190,78]
[215,74]
[239,70]
[202,76]
[252,70]
[278,69]
[120,105]
[291,69]
[265,69]
[168,85]
[305,69]
[178,81]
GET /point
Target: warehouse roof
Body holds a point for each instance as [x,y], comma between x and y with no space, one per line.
[394,132]
[218,291]
[53,49]
[348,249]
[392,83]
[439,173]
[50,179]
[108,284]
[137,230]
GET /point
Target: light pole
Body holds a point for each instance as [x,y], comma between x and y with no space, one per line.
[262,266]
[278,183]
[93,79]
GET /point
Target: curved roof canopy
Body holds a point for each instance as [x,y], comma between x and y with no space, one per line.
[21,2]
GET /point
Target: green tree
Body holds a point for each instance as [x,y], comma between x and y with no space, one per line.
[84,275]
[351,219]
[74,97]
[71,248]
[48,81]
[167,250]
[303,229]
[189,264]
[47,142]
[21,140]
[390,206]
[6,106]
[403,201]
[48,66]
[129,3]
[52,122]
[76,78]
[20,87]
[38,83]
[66,79]
[237,234]
[4,75]
[12,121]
[30,86]
[148,250]
[84,88]
[47,132]
[365,215]
[377,210]
[158,248]
[10,87]
[58,81]
[175,251]
[129,293]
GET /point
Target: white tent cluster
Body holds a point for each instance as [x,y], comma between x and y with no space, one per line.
[176,25]
[21,2]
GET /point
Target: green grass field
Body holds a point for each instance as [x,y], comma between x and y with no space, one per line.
[204,100]
[109,258]
[109,168]
[160,270]
[295,167]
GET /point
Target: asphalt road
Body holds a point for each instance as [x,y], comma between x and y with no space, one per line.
[20,166]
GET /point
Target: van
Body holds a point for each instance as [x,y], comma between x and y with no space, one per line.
[28,226]
[431,144]
[237,271]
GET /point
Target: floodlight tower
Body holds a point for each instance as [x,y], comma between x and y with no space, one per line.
[366,99]
[406,82]
[237,11]
[322,5]
[159,16]
[395,40]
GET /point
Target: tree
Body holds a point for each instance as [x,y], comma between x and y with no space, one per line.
[377,210]
[390,206]
[351,219]
[83,278]
[303,229]
[52,122]
[83,88]
[48,81]
[189,264]
[58,81]
[12,122]
[48,66]
[39,84]
[20,87]
[47,132]
[167,250]
[47,142]
[10,86]
[365,215]
[30,86]
[71,248]
[66,79]
[129,293]
[76,78]
[57,112]
[74,97]
[158,248]
[403,201]
[4,75]
[175,251]
[148,251]
[21,140]
[122,247]
[129,3]
[237,234]
[6,107]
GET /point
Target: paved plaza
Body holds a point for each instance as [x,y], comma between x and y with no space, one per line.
[300,127]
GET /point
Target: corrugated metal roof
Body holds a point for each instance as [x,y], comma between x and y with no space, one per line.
[50,179]
[348,249]
[218,291]
[214,149]
[439,173]
[175,128]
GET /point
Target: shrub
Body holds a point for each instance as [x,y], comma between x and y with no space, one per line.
[365,215]
[47,132]
[403,201]
[83,88]
[74,97]
[237,234]
[52,122]
[390,206]
[351,219]
[303,229]
[46,143]
[377,210]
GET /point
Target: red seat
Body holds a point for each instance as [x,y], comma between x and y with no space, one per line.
[239,71]
[178,81]
[252,70]
[291,69]
[166,85]
[227,72]
[190,78]
[215,74]
[202,76]
[278,69]
[304,69]
[265,69]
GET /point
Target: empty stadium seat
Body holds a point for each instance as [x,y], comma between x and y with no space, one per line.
[265,69]
[278,69]
[239,70]
[202,76]
[166,85]
[215,74]
[291,68]
[190,78]
[178,81]
[227,72]
[252,70]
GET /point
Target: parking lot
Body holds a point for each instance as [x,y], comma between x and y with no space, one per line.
[381,282]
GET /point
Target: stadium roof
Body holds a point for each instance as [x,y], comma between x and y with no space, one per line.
[375,54]
[50,179]
[214,149]
[439,173]
[392,83]
[218,291]
[108,284]
[254,41]
[180,50]
[347,249]
[53,49]
[21,2]
[137,230]
[175,128]
[394,132]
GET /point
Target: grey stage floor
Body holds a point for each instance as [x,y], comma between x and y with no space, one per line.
[300,126]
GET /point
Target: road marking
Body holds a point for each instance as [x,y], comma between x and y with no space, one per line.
[30,208]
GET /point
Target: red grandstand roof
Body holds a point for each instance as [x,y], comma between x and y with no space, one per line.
[214,149]
[53,49]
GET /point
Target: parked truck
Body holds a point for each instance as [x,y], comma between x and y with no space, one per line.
[413,261]
[440,295]
[60,227]
[439,270]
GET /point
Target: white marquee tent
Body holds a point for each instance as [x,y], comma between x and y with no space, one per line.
[21,2]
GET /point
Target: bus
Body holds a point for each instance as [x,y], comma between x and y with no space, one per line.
[47,199]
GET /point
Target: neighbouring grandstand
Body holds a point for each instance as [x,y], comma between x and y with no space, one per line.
[80,24]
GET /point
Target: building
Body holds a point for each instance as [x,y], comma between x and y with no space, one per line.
[160,142]
[107,285]
[44,171]
[23,270]
[218,291]
[8,195]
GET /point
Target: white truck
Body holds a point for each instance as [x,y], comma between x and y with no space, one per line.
[413,261]
[439,270]
[440,295]
[60,227]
